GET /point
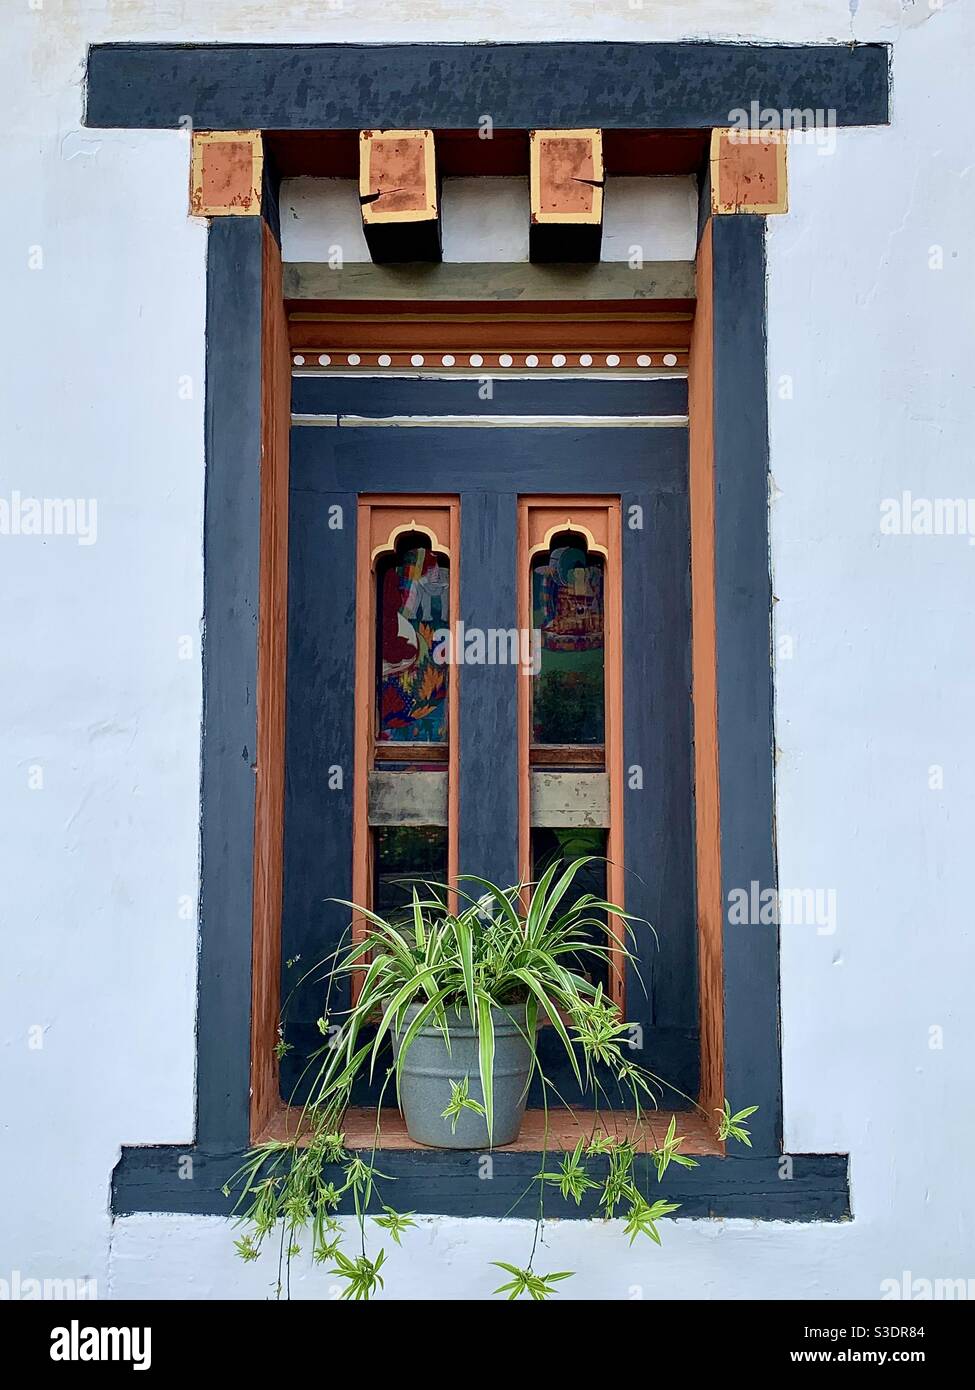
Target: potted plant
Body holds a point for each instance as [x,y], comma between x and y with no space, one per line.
[448,1013]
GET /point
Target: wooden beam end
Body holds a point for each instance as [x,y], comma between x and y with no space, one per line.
[226,171]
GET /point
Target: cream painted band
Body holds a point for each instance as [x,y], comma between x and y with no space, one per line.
[558,799]
[561,799]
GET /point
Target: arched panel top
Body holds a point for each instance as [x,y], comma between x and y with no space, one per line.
[387,523]
[588,518]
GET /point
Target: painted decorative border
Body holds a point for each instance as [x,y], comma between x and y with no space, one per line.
[368,360]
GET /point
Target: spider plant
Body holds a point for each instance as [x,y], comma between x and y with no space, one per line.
[432,968]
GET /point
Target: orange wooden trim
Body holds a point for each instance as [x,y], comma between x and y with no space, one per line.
[544,515]
[392,333]
[226,173]
[710,906]
[271,669]
[365,725]
[411,752]
[453,719]
[613,637]
[567,755]
[399,166]
[376,515]
[557,1130]
[749,172]
[524,704]
[566,177]
[587,311]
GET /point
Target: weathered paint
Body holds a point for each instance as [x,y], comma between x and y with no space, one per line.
[520,86]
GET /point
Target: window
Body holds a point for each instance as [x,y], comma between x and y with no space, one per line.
[413,610]
[571,591]
[405,738]
[569,690]
[492,674]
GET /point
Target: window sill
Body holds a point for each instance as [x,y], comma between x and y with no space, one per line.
[188,1178]
[566,1128]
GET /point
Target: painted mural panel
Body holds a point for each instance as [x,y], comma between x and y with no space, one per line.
[413,606]
[567,608]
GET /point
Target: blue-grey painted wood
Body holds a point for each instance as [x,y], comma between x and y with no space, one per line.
[746,738]
[354,86]
[658,812]
[231,548]
[391,459]
[320,728]
[488,468]
[449,1183]
[488,839]
[378,395]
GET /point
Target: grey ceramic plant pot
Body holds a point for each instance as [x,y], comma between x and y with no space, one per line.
[429,1070]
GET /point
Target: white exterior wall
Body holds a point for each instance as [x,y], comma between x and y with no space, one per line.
[100,695]
[486,219]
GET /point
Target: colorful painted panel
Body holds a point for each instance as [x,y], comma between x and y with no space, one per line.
[567,606]
[413,610]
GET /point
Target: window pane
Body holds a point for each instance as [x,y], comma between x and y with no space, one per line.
[565,845]
[413,589]
[406,852]
[567,608]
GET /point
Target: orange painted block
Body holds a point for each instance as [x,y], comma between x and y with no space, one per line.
[226,173]
[566,176]
[566,186]
[748,171]
[397,175]
[398,195]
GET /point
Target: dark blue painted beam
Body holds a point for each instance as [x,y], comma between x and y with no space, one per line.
[451,86]
[444,458]
[231,554]
[746,738]
[449,1183]
[378,396]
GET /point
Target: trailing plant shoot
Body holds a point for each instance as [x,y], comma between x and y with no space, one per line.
[467,991]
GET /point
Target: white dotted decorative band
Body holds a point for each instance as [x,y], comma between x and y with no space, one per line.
[494,361]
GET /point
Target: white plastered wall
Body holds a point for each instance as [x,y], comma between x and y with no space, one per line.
[102,383]
[486,219]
